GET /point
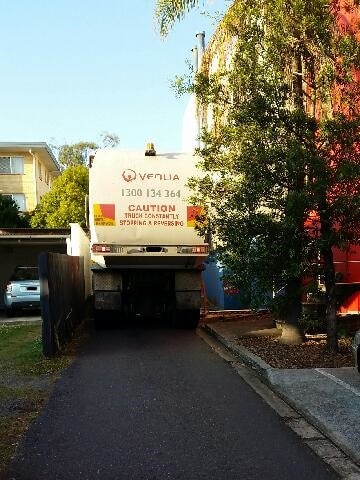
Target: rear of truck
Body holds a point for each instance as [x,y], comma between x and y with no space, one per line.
[146,255]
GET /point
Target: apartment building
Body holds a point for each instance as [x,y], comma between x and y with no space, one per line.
[27,171]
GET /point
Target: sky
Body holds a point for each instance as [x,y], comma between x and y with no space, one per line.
[72,70]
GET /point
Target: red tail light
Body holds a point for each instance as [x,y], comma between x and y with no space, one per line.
[201,249]
[100,248]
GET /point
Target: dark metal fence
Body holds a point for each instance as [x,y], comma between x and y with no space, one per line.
[62,299]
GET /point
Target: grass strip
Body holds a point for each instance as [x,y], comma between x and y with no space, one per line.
[26,380]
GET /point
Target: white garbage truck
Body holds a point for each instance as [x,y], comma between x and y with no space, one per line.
[146,255]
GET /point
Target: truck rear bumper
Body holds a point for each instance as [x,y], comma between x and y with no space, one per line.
[146,261]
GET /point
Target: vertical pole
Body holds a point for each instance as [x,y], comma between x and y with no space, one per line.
[201,46]
[48,337]
[200,36]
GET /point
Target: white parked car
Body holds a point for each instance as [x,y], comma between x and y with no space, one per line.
[22,291]
[356,350]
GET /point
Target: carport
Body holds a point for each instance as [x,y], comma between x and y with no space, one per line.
[22,246]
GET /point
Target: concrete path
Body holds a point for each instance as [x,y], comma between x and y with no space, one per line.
[26,318]
[158,404]
[328,398]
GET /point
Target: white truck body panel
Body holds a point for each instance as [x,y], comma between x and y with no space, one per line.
[137,200]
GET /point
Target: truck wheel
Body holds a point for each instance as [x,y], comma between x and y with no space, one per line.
[188,319]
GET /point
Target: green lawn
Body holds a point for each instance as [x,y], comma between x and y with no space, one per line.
[21,350]
[26,380]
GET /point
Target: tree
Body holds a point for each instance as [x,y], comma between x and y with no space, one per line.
[167,12]
[65,202]
[75,154]
[110,140]
[336,218]
[257,199]
[70,155]
[10,215]
[283,144]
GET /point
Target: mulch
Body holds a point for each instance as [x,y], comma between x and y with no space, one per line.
[312,353]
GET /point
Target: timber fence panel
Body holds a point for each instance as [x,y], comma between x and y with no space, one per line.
[62,299]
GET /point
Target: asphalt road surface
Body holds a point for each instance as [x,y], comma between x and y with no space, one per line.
[155,404]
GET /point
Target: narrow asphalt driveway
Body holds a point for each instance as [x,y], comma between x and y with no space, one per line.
[156,404]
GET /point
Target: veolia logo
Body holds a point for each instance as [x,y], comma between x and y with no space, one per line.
[130,175]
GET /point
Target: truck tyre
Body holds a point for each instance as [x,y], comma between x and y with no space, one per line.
[188,319]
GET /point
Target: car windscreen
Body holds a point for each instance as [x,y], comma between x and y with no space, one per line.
[28,273]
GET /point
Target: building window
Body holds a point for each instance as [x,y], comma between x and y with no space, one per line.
[19,199]
[12,165]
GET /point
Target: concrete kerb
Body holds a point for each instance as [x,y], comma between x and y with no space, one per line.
[15,321]
[349,469]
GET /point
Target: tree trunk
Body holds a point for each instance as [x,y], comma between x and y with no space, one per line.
[291,331]
[329,270]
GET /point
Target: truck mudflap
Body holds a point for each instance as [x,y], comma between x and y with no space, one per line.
[188,300]
[107,301]
[188,290]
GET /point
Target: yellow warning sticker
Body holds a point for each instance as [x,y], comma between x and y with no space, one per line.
[104,214]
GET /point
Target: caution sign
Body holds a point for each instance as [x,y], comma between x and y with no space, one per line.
[104,214]
[192,213]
